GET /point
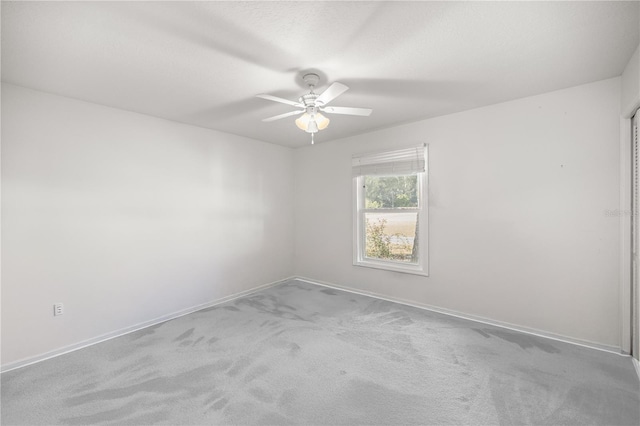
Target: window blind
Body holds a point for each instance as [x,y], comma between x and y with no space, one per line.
[400,161]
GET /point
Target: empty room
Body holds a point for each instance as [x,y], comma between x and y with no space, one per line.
[320,213]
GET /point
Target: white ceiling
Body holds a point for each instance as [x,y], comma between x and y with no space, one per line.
[202,63]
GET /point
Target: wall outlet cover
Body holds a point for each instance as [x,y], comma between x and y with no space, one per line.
[58,309]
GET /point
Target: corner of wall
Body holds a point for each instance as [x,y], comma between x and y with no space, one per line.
[630,81]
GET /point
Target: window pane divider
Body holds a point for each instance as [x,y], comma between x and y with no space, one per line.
[402,210]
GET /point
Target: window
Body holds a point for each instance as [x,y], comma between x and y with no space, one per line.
[390,214]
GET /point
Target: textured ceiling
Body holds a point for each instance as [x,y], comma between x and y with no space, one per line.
[202,63]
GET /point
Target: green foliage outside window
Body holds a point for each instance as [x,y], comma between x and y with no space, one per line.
[380,245]
[391,192]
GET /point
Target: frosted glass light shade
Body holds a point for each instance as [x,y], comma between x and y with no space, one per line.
[322,121]
[312,124]
[312,127]
[303,121]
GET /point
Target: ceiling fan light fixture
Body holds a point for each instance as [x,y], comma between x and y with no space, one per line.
[312,123]
[303,121]
[312,127]
[321,121]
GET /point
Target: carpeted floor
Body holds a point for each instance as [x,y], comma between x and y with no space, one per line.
[303,354]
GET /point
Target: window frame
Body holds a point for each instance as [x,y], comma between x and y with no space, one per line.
[359,211]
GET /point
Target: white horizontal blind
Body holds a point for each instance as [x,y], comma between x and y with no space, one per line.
[400,161]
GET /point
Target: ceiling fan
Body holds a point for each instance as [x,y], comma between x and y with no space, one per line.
[312,105]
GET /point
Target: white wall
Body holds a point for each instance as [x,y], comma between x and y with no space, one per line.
[518,230]
[125,218]
[630,96]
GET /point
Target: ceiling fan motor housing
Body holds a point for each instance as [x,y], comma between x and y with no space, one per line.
[308,100]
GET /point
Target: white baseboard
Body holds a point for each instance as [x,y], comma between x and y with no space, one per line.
[521,329]
[74,347]
[121,332]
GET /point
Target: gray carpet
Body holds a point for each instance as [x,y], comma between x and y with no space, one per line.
[303,354]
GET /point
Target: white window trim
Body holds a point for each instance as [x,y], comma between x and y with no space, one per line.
[422,268]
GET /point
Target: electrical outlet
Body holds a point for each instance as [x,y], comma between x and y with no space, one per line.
[58,309]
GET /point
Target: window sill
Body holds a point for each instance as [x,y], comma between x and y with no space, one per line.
[393,267]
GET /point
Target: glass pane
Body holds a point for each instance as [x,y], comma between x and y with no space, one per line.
[392,236]
[391,192]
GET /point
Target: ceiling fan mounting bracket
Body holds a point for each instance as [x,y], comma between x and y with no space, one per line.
[311,79]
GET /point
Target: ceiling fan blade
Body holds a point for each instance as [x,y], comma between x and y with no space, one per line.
[286,114]
[335,90]
[281,100]
[365,112]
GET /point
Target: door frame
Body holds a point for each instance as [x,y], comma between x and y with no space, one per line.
[629,300]
[626,243]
